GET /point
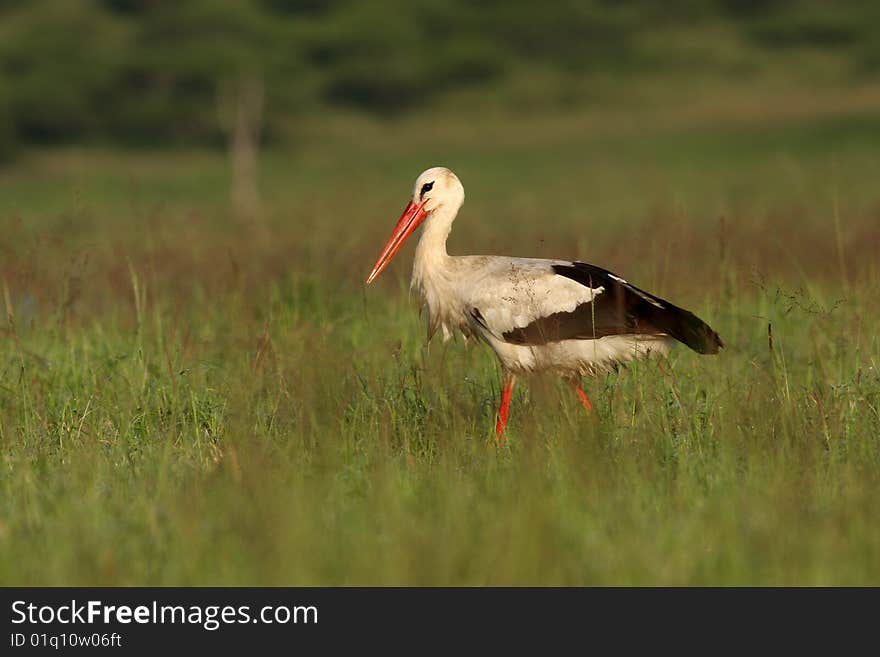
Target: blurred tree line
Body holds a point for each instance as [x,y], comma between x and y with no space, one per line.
[164,71]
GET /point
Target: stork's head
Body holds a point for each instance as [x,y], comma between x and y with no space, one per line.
[436,189]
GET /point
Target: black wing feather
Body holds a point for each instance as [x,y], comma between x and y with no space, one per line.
[621,309]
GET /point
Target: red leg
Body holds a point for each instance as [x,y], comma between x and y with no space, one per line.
[506,393]
[584,399]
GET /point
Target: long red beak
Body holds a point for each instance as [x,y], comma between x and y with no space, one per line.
[412,216]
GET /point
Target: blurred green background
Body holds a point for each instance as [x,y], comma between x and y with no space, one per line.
[160,72]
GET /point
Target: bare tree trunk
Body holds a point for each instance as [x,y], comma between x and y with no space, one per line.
[244,148]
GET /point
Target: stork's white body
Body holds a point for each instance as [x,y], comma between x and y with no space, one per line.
[512,293]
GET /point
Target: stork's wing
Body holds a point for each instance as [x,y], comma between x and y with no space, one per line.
[553,308]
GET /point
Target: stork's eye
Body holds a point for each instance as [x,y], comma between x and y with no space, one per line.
[427,187]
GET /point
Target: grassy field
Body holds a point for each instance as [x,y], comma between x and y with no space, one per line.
[186,398]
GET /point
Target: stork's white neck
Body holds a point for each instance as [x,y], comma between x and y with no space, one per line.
[433,272]
[431,258]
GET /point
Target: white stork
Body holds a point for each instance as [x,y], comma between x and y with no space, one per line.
[570,317]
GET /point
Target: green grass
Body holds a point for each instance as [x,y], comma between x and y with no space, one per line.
[189,399]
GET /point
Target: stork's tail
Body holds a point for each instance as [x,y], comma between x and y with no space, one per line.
[687,328]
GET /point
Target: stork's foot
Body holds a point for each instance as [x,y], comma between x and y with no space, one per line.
[584,399]
[501,424]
